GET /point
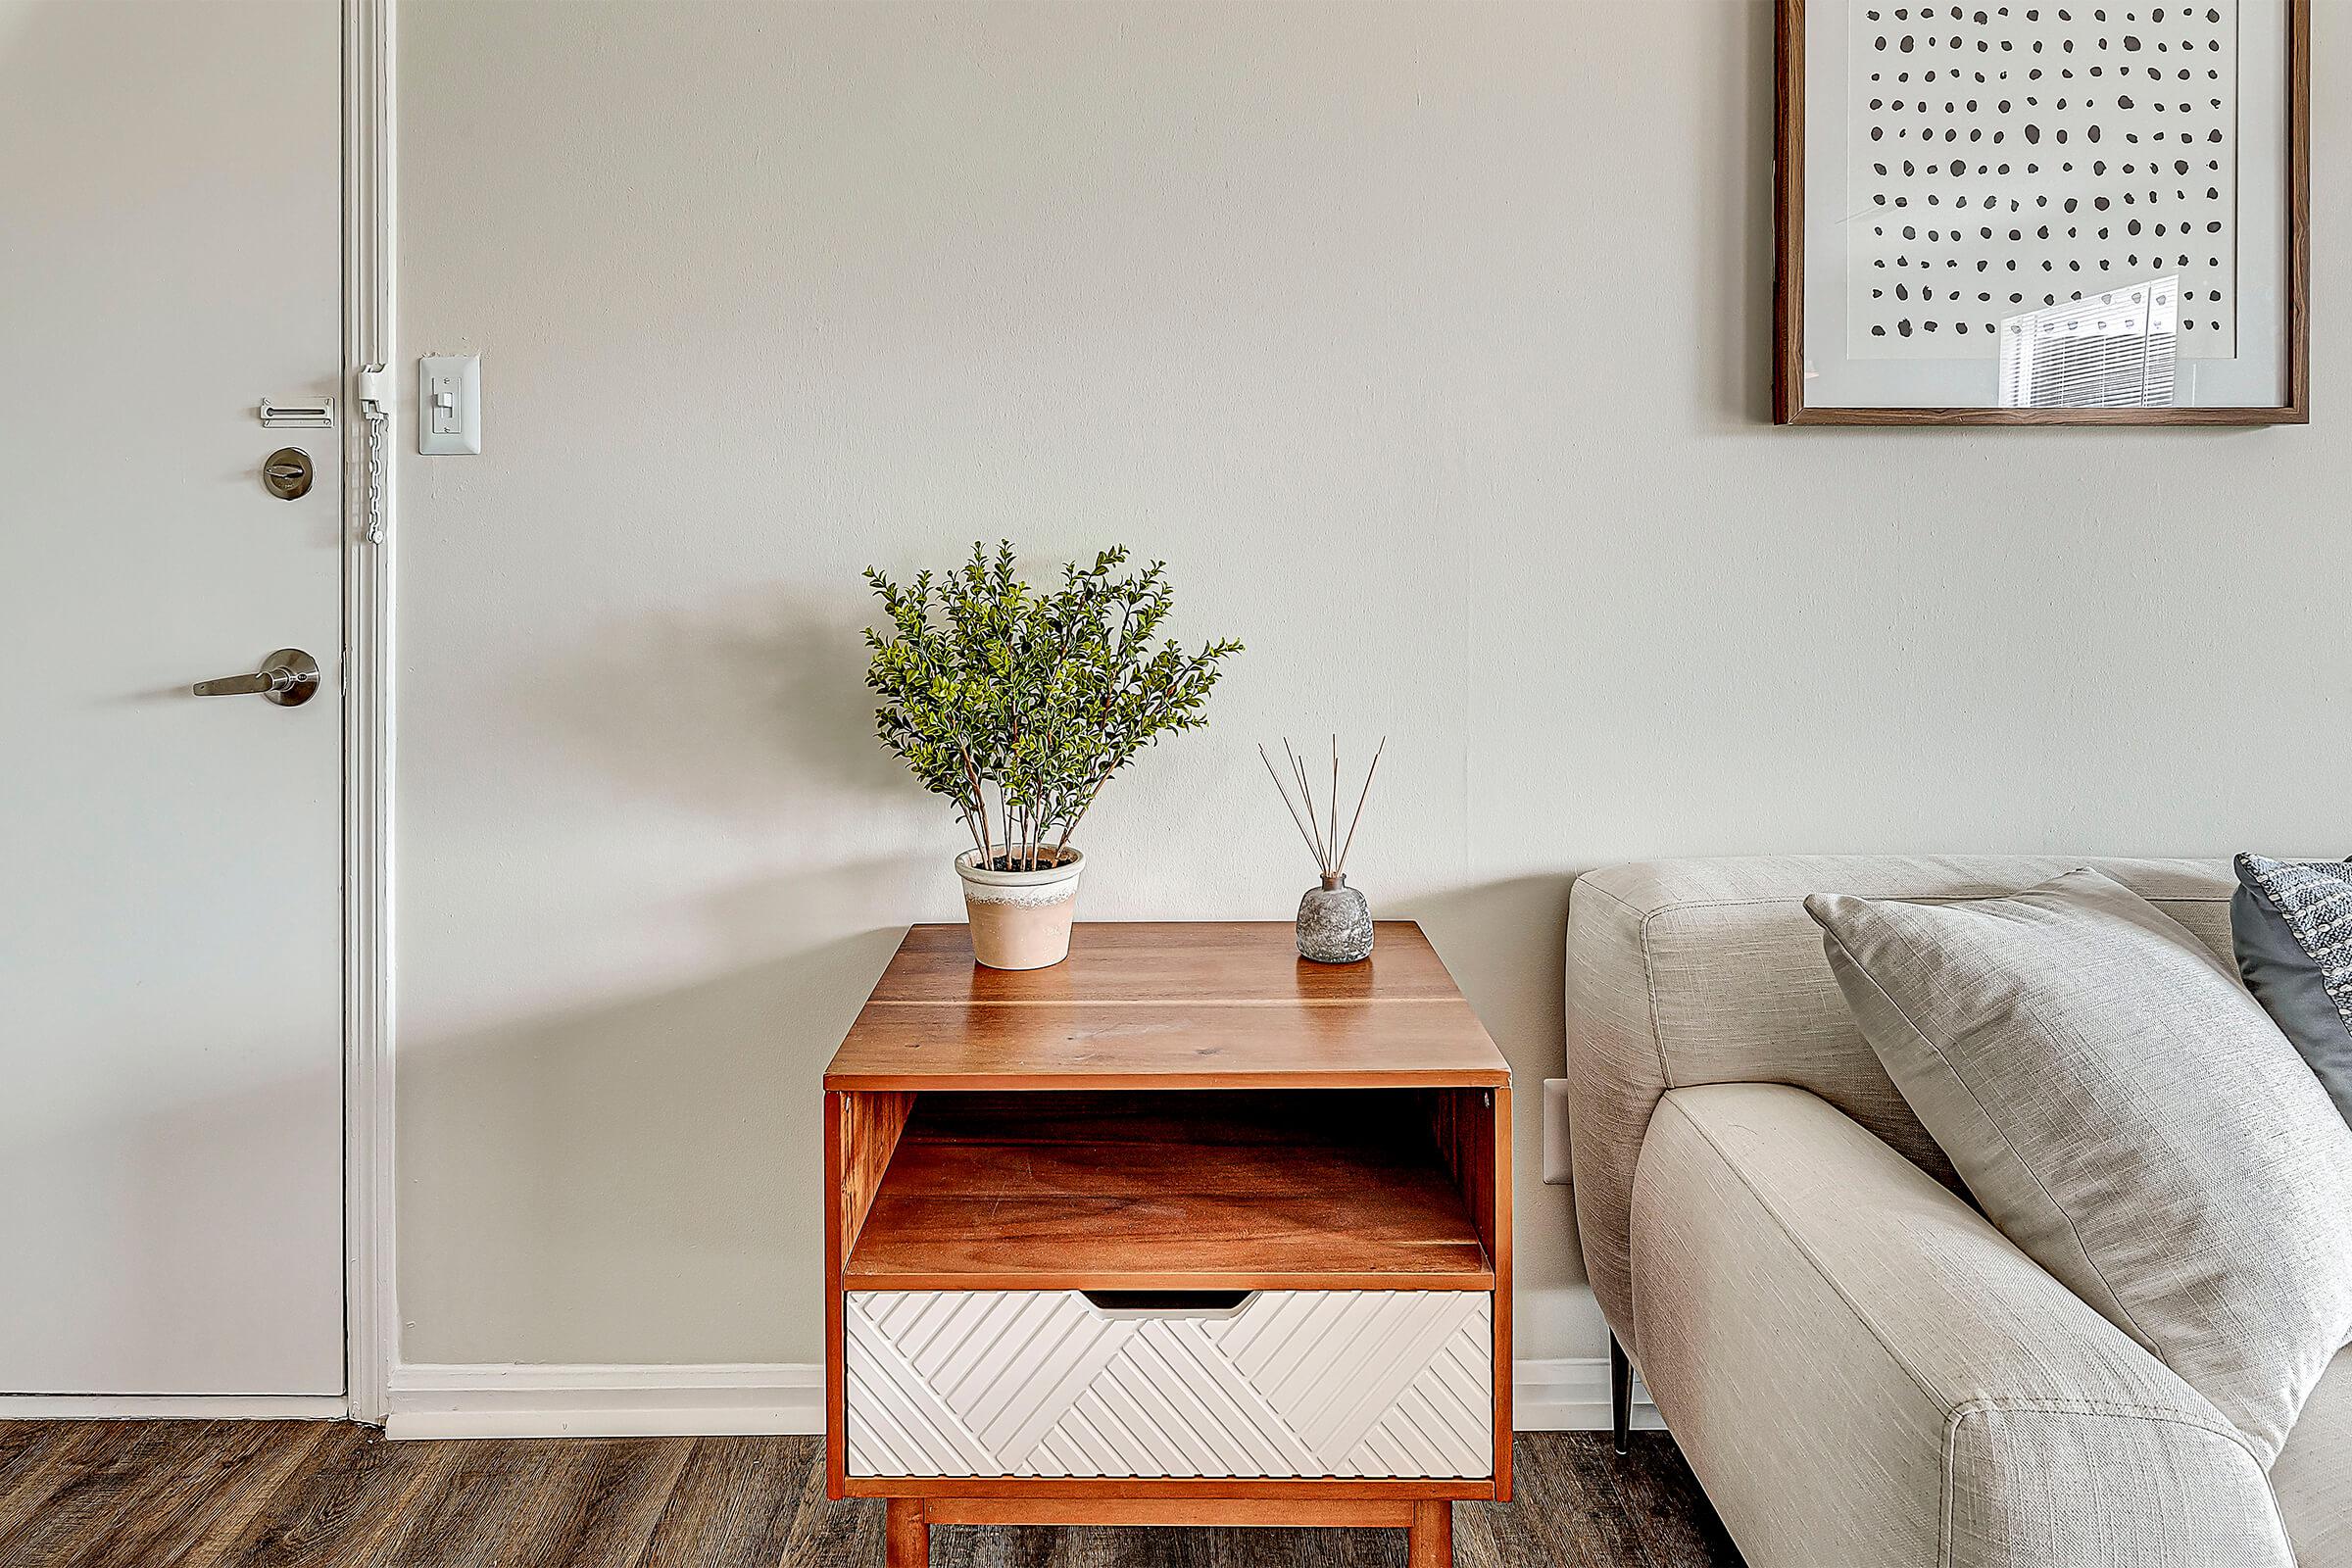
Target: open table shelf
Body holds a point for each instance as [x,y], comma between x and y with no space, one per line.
[1263,1190]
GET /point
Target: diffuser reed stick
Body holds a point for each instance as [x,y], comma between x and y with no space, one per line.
[1330,852]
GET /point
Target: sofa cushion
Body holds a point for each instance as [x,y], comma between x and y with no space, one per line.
[1708,971]
[2291,925]
[1862,1371]
[2127,1116]
[2313,1473]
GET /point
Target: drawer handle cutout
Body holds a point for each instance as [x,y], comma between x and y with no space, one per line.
[1168,1303]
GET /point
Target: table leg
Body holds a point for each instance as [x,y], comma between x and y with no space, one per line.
[1431,1542]
[906,1534]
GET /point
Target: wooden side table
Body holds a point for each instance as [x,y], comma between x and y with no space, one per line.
[1182,1231]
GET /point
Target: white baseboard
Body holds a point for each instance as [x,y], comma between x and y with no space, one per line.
[172,1407]
[715,1400]
[514,1400]
[1572,1394]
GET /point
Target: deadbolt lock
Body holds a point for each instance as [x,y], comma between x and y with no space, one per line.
[286,474]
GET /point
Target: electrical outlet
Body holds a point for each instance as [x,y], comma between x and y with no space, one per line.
[1555,1132]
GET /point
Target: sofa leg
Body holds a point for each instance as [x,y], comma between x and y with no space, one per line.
[1621,1394]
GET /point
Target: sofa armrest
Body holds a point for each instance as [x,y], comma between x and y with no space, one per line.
[1861,1369]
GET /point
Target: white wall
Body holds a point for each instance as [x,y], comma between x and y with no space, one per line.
[1428,344]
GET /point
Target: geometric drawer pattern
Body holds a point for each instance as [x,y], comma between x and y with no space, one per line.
[1289,1383]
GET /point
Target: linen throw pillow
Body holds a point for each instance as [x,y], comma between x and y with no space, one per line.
[2290,922]
[2127,1116]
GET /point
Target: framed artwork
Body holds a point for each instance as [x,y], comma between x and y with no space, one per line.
[2019,212]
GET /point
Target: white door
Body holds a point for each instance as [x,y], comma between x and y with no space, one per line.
[171,1083]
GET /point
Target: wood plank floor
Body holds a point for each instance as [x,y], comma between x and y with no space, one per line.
[317,1495]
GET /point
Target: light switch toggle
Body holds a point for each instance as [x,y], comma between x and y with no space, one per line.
[449,394]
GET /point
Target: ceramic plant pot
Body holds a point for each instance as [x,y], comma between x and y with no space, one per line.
[1020,920]
[1335,923]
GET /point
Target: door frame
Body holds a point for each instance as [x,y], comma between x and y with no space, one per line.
[370,384]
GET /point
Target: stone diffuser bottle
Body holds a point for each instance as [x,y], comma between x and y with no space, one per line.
[1335,923]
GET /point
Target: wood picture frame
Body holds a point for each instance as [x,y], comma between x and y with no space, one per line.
[1790,366]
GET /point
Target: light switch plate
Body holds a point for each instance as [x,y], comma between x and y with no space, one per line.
[449,405]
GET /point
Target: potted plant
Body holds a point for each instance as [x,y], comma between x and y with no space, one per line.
[1018,703]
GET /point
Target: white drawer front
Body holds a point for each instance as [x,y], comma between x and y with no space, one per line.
[1291,1383]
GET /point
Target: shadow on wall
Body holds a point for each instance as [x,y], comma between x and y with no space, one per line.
[1737,233]
[746,706]
[636,1178]
[641,1181]
[1506,945]
[638,1181]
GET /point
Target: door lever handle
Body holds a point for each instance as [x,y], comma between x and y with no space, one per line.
[289,677]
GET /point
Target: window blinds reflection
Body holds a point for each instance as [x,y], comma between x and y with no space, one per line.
[2112,351]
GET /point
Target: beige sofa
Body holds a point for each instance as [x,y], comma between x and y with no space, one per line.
[1859,1369]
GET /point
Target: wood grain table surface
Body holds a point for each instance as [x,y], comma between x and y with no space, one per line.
[1167,1004]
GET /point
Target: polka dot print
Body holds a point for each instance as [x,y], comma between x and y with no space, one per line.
[2009,158]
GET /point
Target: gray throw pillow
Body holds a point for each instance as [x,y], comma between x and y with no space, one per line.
[2128,1116]
[2291,924]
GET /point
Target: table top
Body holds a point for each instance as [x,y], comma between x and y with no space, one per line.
[1194,1004]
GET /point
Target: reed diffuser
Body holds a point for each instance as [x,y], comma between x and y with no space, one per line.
[1335,923]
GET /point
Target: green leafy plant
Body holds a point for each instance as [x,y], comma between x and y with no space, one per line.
[1036,697]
